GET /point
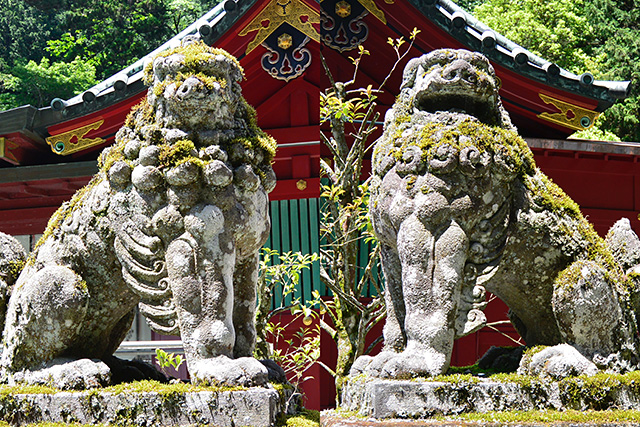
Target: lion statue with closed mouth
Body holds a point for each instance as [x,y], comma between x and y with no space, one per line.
[460,208]
[172,223]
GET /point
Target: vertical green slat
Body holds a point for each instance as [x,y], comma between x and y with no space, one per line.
[294,230]
[305,247]
[285,234]
[314,222]
[284,226]
[275,239]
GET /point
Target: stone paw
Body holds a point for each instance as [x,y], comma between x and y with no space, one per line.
[66,374]
[360,365]
[244,371]
[557,362]
[412,364]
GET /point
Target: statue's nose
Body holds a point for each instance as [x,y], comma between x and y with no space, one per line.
[459,70]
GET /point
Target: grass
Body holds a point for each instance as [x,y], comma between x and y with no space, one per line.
[133,387]
[549,416]
[306,418]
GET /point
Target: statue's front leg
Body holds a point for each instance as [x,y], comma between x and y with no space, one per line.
[244,308]
[433,260]
[202,285]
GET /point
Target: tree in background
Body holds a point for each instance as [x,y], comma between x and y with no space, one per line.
[554,29]
[76,36]
[38,83]
[599,36]
[616,25]
[279,275]
[351,115]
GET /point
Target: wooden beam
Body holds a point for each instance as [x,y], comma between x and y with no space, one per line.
[45,172]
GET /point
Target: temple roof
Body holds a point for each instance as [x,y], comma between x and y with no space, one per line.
[544,100]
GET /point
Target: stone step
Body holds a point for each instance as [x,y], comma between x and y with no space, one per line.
[254,407]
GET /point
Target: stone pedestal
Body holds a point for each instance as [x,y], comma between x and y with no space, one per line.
[254,407]
[421,398]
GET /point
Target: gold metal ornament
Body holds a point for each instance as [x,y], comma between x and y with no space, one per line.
[343,9]
[570,116]
[72,141]
[293,12]
[285,41]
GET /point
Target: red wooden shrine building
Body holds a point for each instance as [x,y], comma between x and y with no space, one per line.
[47,154]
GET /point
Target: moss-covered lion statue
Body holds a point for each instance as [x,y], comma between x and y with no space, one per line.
[459,207]
[172,223]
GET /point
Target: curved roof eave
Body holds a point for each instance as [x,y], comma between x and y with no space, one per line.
[477,36]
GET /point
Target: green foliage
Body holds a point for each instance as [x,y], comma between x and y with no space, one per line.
[25,31]
[344,223]
[596,133]
[73,43]
[38,83]
[182,13]
[168,360]
[550,416]
[280,275]
[305,418]
[599,36]
[557,30]
[615,24]
[110,34]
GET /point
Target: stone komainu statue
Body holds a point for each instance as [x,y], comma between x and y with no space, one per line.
[172,223]
[459,207]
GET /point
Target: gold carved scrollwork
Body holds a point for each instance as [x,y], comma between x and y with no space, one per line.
[5,150]
[72,141]
[570,116]
[293,12]
[374,10]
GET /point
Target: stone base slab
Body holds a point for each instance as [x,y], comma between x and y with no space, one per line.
[333,419]
[421,399]
[254,407]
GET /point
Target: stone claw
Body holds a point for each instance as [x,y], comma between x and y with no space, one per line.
[66,374]
[244,371]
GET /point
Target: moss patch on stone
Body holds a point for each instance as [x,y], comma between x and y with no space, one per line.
[175,154]
[14,267]
[64,212]
[210,82]
[166,389]
[305,418]
[197,57]
[547,195]
[52,424]
[548,416]
[468,132]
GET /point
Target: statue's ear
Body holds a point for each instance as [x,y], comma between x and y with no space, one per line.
[410,73]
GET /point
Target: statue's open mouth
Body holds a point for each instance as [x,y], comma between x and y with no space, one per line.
[481,107]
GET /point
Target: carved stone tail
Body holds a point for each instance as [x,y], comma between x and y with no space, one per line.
[12,261]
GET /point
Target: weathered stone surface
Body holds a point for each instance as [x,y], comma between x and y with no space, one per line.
[255,407]
[339,419]
[161,225]
[557,362]
[68,374]
[380,398]
[624,244]
[459,207]
[11,264]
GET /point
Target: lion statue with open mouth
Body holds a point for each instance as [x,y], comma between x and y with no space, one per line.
[460,208]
